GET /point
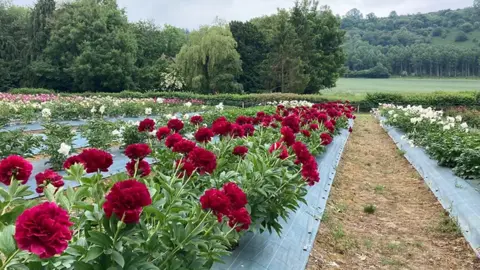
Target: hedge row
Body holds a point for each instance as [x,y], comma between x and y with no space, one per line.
[436,99]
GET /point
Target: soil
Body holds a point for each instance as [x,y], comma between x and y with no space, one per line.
[408,228]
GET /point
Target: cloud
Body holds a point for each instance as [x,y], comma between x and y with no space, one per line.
[193,13]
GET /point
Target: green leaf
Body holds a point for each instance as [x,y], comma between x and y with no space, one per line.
[82,266]
[93,253]
[100,239]
[49,192]
[118,258]
[5,195]
[7,243]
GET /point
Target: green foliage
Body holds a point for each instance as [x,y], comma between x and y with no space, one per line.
[461,37]
[252,47]
[209,61]
[31,91]
[18,142]
[98,133]
[56,134]
[379,71]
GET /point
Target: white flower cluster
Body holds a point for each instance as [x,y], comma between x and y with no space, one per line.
[219,107]
[291,103]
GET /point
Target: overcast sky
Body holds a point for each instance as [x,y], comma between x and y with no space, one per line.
[192,13]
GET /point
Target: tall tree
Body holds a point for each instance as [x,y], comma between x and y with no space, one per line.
[39,32]
[252,47]
[285,70]
[209,62]
[91,48]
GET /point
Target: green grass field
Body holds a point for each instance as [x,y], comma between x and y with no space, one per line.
[354,89]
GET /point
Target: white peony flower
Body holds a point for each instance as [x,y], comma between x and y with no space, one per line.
[188,104]
[464,125]
[148,111]
[458,118]
[160,100]
[102,109]
[391,112]
[153,133]
[395,115]
[116,132]
[93,110]
[185,117]
[189,135]
[446,127]
[204,107]
[64,149]
[46,113]
[219,107]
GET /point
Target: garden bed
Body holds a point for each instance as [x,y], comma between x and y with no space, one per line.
[455,194]
[291,249]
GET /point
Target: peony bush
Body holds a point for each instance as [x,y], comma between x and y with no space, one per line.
[449,140]
[212,178]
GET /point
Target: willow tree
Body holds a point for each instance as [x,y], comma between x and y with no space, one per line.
[209,62]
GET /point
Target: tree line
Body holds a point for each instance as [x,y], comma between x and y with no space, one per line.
[437,44]
[89,45]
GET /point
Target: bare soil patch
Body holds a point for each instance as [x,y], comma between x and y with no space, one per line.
[381,215]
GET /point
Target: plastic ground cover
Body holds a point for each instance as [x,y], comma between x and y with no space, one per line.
[455,194]
[291,250]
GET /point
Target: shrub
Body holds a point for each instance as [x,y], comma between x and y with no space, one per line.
[31,91]
[461,37]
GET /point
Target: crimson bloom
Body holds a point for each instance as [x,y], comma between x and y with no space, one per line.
[310,171]
[313,126]
[175,125]
[16,167]
[126,200]
[239,216]
[186,168]
[196,119]
[350,129]
[203,135]
[330,126]
[221,126]
[146,125]
[306,133]
[142,170]
[43,230]
[248,129]
[240,150]
[236,131]
[48,177]
[162,133]
[301,151]
[292,122]
[217,201]
[137,151]
[73,160]
[96,160]
[238,198]
[173,139]
[183,146]
[288,135]
[326,138]
[203,160]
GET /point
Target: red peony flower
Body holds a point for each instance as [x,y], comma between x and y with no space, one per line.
[310,171]
[126,200]
[279,146]
[196,119]
[73,160]
[43,230]
[326,138]
[142,170]
[249,129]
[185,167]
[217,201]
[175,125]
[306,133]
[96,160]
[162,133]
[301,151]
[236,131]
[48,177]
[203,135]
[292,122]
[203,160]
[322,117]
[16,167]
[330,126]
[240,150]
[237,197]
[313,126]
[239,216]
[288,135]
[242,120]
[221,126]
[260,114]
[350,129]
[147,125]
[137,151]
[184,146]
[173,139]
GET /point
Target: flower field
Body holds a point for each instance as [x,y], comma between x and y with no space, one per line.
[192,186]
[31,108]
[449,140]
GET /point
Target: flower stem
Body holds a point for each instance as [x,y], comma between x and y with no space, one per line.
[9,259]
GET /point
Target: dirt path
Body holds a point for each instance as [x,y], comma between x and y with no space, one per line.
[408,228]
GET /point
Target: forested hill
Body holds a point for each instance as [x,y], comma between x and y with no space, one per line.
[444,44]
